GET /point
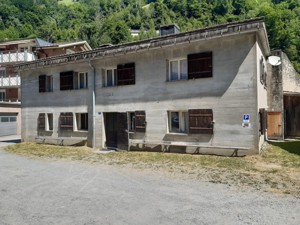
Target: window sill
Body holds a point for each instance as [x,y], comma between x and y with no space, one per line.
[181,134]
[174,81]
[81,131]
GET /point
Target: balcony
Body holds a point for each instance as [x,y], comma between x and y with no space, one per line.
[15,56]
[10,81]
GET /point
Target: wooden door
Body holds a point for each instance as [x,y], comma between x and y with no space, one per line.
[274,125]
[110,120]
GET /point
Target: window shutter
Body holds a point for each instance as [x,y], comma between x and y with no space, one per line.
[42,83]
[263,121]
[140,121]
[42,121]
[200,65]
[66,80]
[200,121]
[126,74]
[66,121]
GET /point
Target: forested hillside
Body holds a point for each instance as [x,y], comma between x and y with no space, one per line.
[110,21]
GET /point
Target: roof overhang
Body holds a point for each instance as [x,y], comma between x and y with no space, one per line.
[255,26]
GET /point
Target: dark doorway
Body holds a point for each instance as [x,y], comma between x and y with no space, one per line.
[116,130]
[292,119]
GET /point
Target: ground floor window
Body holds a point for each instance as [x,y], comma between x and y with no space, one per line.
[66,121]
[45,121]
[82,121]
[178,121]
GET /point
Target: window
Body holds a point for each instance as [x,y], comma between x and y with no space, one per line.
[200,121]
[126,74]
[2,72]
[70,80]
[200,65]
[45,83]
[178,69]
[262,121]
[66,80]
[80,80]
[82,121]
[263,73]
[8,119]
[193,121]
[178,122]
[66,121]
[137,121]
[2,95]
[45,121]
[110,77]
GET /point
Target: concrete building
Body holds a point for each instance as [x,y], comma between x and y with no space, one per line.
[26,50]
[199,91]
[283,99]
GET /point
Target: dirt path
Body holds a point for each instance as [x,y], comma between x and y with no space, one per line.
[58,192]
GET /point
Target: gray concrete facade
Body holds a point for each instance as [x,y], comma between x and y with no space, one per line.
[234,90]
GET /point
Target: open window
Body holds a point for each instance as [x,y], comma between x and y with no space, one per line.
[66,121]
[82,121]
[178,121]
[45,83]
[200,121]
[137,121]
[45,121]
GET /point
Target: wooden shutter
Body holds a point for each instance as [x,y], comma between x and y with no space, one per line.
[42,121]
[42,83]
[66,80]
[200,121]
[140,121]
[66,121]
[126,74]
[200,65]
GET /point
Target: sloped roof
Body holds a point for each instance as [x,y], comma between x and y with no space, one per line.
[233,28]
[42,43]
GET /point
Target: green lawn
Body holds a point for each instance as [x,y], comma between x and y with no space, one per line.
[277,169]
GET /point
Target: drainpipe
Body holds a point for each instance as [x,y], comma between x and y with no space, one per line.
[94,104]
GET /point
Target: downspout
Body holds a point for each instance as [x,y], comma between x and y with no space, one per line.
[93,104]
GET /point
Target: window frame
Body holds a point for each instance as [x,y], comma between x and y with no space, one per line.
[114,77]
[78,121]
[179,76]
[45,83]
[77,80]
[182,122]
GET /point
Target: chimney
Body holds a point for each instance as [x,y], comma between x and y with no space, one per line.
[169,29]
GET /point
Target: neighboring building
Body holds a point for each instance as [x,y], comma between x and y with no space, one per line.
[198,91]
[12,52]
[283,100]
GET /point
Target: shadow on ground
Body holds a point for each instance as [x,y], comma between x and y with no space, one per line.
[290,146]
[12,141]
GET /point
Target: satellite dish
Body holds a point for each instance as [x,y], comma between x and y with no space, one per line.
[274,60]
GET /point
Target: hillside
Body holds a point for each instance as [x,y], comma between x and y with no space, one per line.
[110,21]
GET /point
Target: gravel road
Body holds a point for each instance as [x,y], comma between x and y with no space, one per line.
[59,192]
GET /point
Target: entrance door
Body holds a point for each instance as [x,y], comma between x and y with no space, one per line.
[116,130]
[274,125]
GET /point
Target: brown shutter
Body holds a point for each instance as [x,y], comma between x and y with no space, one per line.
[126,74]
[200,121]
[263,121]
[42,83]
[41,121]
[200,65]
[66,80]
[66,121]
[140,121]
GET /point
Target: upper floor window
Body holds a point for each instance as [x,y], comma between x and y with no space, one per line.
[45,83]
[70,80]
[178,69]
[2,72]
[200,65]
[124,74]
[110,77]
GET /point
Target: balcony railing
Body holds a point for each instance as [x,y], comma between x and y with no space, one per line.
[10,81]
[15,56]
[12,100]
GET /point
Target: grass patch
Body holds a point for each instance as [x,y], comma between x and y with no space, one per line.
[277,169]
